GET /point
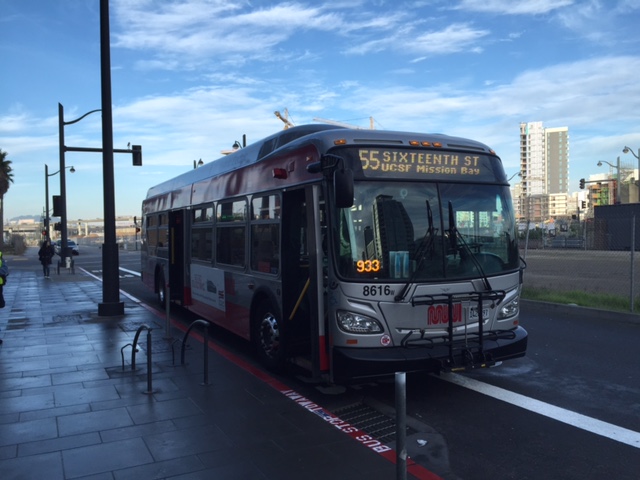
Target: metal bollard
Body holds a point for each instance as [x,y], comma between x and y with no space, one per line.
[149,362]
[149,369]
[401,426]
[206,355]
[205,346]
[167,305]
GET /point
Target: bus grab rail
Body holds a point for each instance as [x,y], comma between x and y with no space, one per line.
[205,346]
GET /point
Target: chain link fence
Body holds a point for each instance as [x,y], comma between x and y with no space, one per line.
[594,255]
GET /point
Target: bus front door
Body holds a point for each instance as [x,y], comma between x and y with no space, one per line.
[302,260]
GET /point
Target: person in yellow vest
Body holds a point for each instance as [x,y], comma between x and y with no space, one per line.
[4,272]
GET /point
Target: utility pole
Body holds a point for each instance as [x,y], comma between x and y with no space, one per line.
[111,304]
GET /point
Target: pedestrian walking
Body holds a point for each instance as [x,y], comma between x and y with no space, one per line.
[45,254]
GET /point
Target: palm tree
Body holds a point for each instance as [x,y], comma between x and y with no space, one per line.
[6,178]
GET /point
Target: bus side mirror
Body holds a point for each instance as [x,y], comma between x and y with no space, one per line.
[343,187]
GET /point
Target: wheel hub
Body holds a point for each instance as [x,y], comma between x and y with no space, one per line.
[269,335]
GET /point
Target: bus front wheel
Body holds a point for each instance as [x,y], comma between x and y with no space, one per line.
[266,335]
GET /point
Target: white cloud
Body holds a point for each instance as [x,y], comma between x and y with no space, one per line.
[454,38]
[513,7]
[592,20]
[192,32]
[13,123]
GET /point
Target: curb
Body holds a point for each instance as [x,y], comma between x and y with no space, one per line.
[572,310]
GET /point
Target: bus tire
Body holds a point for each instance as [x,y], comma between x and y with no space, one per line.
[266,336]
[161,289]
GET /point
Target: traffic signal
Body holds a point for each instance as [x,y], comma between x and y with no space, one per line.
[582,184]
[57,206]
[136,155]
[57,226]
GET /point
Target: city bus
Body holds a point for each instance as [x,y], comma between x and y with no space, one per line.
[350,253]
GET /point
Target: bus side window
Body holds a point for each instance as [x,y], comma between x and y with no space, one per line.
[152,233]
[202,234]
[163,231]
[231,233]
[265,248]
[265,234]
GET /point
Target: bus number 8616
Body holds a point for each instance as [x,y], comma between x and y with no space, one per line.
[375,290]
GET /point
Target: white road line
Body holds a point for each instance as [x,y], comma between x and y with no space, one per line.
[608,430]
[129,296]
[132,272]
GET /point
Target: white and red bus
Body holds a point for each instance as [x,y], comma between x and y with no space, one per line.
[352,253]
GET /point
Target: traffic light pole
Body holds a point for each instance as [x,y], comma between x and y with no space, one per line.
[63,187]
[111,304]
[46,202]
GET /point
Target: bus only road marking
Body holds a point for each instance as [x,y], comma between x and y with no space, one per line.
[604,429]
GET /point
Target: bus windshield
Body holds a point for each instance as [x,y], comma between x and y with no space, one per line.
[426,232]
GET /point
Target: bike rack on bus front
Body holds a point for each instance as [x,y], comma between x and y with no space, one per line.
[450,299]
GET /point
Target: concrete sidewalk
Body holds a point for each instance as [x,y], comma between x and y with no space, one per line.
[68,410]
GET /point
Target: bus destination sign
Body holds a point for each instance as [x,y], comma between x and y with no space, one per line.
[417,163]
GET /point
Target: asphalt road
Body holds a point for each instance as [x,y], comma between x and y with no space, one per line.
[568,410]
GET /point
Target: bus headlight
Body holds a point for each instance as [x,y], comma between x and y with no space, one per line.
[355,323]
[509,309]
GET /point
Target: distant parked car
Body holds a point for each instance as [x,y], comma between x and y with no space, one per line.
[70,244]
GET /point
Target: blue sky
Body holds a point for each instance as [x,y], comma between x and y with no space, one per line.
[190,77]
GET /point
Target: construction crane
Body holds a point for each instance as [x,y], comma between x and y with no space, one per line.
[347,125]
[285,119]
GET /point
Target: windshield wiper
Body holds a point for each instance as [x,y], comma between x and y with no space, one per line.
[454,236]
[425,246]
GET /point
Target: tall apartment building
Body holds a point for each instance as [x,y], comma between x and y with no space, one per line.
[544,167]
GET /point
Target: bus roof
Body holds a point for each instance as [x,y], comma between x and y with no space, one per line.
[240,158]
[323,137]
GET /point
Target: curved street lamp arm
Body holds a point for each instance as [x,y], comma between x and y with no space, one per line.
[629,150]
[71,169]
[610,164]
[78,119]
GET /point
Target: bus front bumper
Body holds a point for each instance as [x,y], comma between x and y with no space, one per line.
[353,364]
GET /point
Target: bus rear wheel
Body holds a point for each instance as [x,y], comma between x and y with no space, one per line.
[266,335]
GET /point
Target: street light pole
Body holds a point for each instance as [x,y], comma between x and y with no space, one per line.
[617,167]
[63,188]
[519,174]
[111,304]
[63,182]
[46,201]
[628,150]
